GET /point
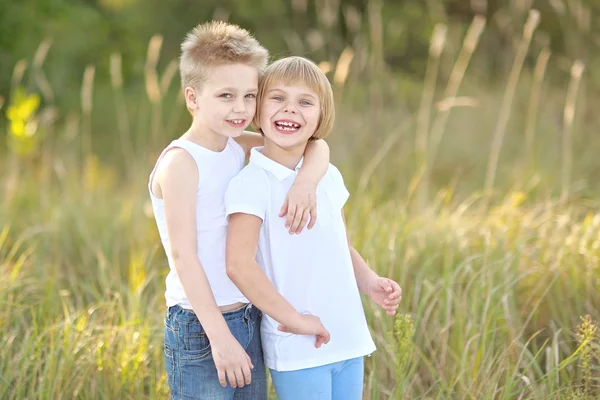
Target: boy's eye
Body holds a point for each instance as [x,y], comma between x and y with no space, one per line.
[226,95]
[251,96]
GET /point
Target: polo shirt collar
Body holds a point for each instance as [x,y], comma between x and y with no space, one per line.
[279,171]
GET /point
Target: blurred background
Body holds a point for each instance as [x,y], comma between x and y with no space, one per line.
[466,134]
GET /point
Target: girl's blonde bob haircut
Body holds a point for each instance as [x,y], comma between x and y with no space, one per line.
[299,71]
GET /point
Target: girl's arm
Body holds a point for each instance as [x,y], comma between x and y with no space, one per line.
[242,269]
[383,291]
[178,181]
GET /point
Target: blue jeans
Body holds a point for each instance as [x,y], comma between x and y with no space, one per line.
[338,381]
[190,367]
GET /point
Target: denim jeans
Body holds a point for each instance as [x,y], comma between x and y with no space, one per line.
[188,358]
[338,381]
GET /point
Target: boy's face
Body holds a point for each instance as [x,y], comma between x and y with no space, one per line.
[226,103]
[289,115]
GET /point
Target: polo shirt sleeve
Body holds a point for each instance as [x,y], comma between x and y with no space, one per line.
[338,193]
[246,196]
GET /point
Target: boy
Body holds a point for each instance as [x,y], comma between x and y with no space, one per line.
[210,327]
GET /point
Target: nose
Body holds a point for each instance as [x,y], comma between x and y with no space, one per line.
[239,106]
[290,108]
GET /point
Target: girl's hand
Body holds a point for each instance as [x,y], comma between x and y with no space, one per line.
[306,324]
[300,204]
[386,293]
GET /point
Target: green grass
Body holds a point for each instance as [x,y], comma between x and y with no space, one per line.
[496,273]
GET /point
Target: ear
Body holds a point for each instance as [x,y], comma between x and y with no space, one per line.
[190,98]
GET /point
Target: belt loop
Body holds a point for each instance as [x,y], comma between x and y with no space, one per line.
[248,311]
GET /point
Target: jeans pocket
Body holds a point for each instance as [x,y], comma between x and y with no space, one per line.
[195,343]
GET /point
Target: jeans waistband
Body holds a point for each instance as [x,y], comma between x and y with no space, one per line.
[247,311]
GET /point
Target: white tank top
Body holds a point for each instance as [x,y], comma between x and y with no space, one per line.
[215,170]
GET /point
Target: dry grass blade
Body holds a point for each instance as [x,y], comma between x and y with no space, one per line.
[380,155]
[342,68]
[17,76]
[504,114]
[116,71]
[168,75]
[438,39]
[153,54]
[87,92]
[569,116]
[456,76]
[38,74]
[534,100]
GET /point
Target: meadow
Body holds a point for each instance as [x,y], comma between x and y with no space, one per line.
[477,193]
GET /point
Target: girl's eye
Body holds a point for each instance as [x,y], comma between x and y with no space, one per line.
[305,103]
[278,98]
[250,96]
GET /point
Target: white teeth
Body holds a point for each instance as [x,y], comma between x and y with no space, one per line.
[288,124]
[237,121]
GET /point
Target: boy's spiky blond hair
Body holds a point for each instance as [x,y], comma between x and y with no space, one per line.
[217,43]
[299,70]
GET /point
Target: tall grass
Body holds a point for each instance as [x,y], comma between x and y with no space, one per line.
[495,285]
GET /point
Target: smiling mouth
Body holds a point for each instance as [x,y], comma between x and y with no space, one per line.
[236,122]
[287,126]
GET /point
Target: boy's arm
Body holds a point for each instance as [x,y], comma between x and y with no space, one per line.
[178,179]
[383,291]
[242,242]
[247,140]
[301,201]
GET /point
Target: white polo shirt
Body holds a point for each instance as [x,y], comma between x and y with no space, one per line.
[313,270]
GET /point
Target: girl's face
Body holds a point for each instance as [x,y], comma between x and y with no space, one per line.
[289,115]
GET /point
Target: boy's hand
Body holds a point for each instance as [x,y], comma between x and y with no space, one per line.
[308,325]
[232,362]
[386,293]
[299,204]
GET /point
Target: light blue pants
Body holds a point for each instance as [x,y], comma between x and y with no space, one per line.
[338,381]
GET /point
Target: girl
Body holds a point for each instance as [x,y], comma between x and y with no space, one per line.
[316,273]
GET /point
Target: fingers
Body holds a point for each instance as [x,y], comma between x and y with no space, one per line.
[247,374]
[238,376]
[221,375]
[231,378]
[391,310]
[320,341]
[313,217]
[284,207]
[249,361]
[291,214]
[297,220]
[303,222]
[283,329]
[322,338]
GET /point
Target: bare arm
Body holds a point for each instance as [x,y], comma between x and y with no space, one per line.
[248,140]
[178,180]
[301,202]
[242,269]
[383,291]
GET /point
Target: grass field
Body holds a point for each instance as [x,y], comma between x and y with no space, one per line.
[479,198]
